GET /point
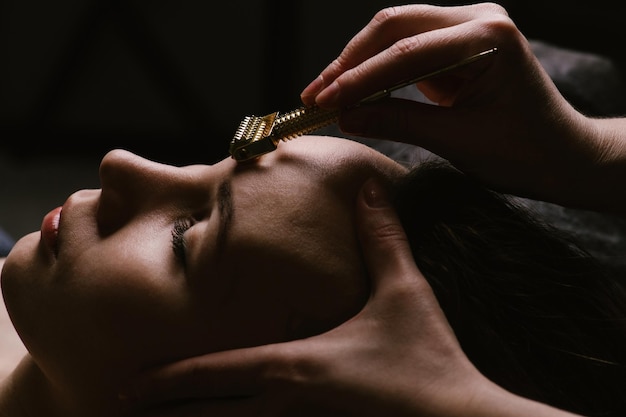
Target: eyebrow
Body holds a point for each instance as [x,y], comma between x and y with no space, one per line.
[225,208]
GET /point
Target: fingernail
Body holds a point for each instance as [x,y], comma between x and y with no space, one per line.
[312,89]
[329,95]
[375,195]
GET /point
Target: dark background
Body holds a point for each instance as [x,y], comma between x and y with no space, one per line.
[171,80]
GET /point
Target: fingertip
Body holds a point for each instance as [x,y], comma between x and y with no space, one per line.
[375,208]
[383,239]
[312,90]
[329,96]
[374,194]
[377,221]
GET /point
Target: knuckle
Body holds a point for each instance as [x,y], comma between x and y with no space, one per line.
[406,46]
[336,67]
[391,16]
[357,73]
[490,8]
[496,29]
[499,26]
[389,231]
[504,31]
[384,16]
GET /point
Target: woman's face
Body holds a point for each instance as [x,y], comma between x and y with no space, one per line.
[166,262]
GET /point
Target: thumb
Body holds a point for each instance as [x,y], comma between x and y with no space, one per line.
[232,373]
[435,128]
[385,245]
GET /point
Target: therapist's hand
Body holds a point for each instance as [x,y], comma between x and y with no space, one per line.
[397,357]
[500,119]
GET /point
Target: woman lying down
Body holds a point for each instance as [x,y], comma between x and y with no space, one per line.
[165,263]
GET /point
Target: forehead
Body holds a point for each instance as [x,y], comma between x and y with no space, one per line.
[307,187]
[302,173]
[319,155]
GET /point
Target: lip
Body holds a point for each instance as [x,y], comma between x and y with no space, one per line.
[50,229]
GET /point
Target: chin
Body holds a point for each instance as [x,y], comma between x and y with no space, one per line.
[20,273]
[22,257]
[26,244]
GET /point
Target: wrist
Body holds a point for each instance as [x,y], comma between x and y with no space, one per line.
[588,166]
[490,400]
[600,178]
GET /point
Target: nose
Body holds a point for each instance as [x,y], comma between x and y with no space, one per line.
[132,185]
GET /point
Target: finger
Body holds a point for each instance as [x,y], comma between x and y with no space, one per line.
[395,23]
[391,25]
[235,373]
[410,58]
[384,242]
[386,28]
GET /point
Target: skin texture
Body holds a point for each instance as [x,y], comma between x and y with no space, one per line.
[502,121]
[112,288]
[398,356]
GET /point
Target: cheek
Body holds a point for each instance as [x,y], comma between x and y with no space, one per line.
[277,298]
[282,289]
[22,275]
[243,307]
[132,291]
[119,302]
[325,296]
[293,258]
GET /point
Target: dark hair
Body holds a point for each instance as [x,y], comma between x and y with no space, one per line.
[533,311]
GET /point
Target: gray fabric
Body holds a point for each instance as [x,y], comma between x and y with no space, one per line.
[6,243]
[592,83]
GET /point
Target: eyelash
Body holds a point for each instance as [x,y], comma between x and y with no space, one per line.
[179,245]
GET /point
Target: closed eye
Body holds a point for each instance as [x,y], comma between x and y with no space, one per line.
[179,244]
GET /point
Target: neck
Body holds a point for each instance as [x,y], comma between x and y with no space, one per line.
[23,388]
[27,393]
[12,349]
